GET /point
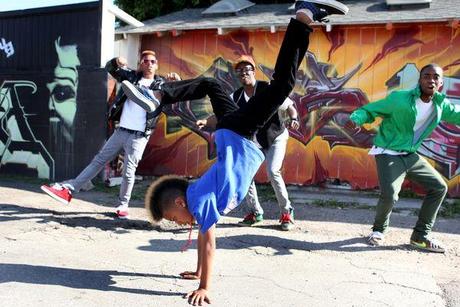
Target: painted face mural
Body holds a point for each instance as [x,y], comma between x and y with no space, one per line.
[63,91]
[43,124]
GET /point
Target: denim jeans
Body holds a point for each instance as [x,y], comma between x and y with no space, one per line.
[274,156]
[133,145]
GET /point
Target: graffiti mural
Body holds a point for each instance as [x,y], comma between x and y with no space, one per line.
[7,47]
[443,146]
[343,70]
[63,92]
[53,91]
[19,147]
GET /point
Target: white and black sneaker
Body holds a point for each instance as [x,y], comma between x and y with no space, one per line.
[376,238]
[321,8]
[141,95]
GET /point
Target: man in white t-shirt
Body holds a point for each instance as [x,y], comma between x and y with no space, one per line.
[131,136]
[408,117]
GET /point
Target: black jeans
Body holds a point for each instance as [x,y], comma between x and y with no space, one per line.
[262,106]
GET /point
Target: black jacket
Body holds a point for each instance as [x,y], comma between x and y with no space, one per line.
[272,129]
[122,74]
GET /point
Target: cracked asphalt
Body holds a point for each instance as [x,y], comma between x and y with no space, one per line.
[81,255]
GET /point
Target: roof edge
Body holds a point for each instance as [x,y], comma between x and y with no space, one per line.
[268,25]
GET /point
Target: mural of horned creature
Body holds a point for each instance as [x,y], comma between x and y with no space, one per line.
[323,104]
[63,92]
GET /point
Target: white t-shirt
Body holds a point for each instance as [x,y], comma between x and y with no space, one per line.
[424,110]
[133,116]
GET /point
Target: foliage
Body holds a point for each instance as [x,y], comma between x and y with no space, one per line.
[450,209]
[148,9]
[332,203]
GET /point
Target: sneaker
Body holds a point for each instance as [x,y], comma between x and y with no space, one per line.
[428,244]
[321,8]
[287,220]
[376,238]
[58,192]
[252,219]
[122,212]
[141,95]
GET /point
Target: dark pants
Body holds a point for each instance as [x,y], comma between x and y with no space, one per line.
[392,171]
[260,108]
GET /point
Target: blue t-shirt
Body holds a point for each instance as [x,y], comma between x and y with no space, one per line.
[226,183]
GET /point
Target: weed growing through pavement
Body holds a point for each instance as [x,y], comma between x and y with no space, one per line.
[450,209]
[333,203]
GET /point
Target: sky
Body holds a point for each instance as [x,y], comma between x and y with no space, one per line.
[11,5]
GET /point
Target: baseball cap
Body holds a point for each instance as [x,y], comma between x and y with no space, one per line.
[245,59]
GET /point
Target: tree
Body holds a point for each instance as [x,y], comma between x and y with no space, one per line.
[148,9]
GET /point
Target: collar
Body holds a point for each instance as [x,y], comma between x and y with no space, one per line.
[437,98]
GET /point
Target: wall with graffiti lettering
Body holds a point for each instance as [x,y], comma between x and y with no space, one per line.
[53,93]
[344,69]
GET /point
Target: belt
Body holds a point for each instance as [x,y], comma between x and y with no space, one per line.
[135,132]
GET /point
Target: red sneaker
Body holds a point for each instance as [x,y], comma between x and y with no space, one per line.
[58,192]
[122,212]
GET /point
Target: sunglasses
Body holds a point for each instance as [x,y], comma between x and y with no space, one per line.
[244,70]
[147,61]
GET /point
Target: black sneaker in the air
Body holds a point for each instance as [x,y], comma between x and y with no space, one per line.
[321,8]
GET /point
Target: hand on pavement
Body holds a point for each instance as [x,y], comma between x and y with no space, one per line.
[198,297]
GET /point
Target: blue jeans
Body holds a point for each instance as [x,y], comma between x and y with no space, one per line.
[274,155]
[133,145]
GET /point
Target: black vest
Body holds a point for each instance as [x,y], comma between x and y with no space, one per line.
[273,128]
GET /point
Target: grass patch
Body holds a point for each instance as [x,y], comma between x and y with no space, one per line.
[447,210]
[266,193]
[138,193]
[24,179]
[332,203]
[408,193]
[450,209]
[100,186]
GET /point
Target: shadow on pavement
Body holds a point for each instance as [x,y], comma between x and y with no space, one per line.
[98,198]
[282,246]
[100,220]
[302,212]
[75,278]
[347,215]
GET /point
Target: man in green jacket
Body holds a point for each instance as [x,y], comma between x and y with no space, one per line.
[408,117]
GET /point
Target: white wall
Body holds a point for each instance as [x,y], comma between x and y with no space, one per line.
[129,48]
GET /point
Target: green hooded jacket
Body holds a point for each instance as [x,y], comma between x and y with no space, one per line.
[398,111]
